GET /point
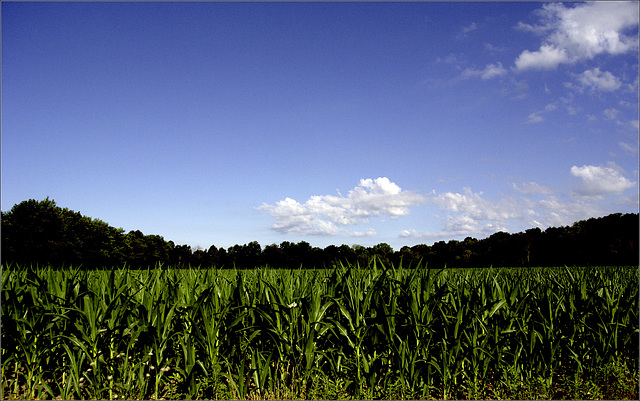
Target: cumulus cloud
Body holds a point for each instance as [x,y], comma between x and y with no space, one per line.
[548,57]
[323,215]
[598,80]
[490,71]
[291,216]
[579,33]
[597,180]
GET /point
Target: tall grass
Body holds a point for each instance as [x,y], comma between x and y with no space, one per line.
[380,332]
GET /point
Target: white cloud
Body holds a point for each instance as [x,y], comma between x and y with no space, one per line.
[598,80]
[409,234]
[470,214]
[537,29]
[291,216]
[553,212]
[494,49]
[322,215]
[490,71]
[572,110]
[456,226]
[597,180]
[493,70]
[630,149]
[471,27]
[369,233]
[548,57]
[466,29]
[531,188]
[515,89]
[581,32]
[536,117]
[473,205]
[462,214]
[452,58]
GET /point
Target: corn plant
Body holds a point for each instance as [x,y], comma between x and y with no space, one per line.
[378,331]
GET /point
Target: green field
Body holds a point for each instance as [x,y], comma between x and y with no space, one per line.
[338,333]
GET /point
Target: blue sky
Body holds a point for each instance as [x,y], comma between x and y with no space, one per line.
[333,123]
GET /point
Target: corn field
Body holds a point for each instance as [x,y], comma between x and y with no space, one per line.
[346,332]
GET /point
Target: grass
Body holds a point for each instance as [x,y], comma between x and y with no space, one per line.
[344,333]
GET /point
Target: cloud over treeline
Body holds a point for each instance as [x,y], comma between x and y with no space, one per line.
[465,213]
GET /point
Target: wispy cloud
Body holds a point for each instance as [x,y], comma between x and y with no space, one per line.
[452,58]
[554,212]
[537,117]
[494,49]
[578,33]
[490,71]
[456,226]
[325,214]
[465,30]
[534,118]
[629,149]
[369,233]
[531,188]
[611,113]
[471,27]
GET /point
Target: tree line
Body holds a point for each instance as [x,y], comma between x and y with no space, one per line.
[40,232]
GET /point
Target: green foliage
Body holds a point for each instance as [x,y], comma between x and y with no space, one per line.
[40,232]
[378,332]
